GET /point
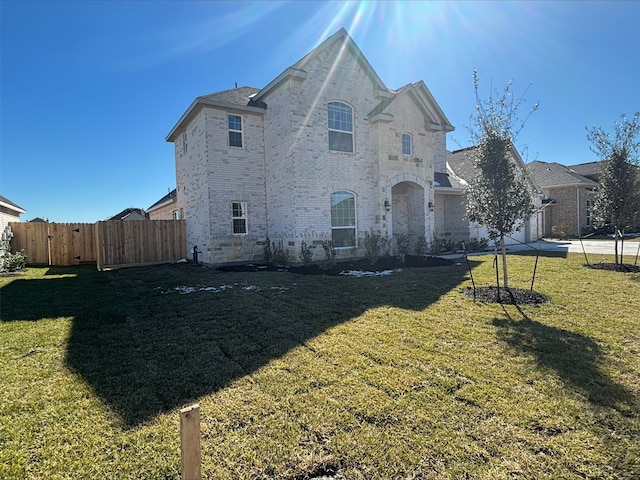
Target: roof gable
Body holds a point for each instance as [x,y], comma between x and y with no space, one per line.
[346,44]
[234,99]
[435,119]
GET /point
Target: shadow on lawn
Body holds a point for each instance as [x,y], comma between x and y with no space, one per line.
[575,358]
[145,348]
[80,292]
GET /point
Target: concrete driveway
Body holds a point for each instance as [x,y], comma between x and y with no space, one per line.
[605,247]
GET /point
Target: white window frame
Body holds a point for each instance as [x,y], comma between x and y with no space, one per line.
[588,208]
[243,217]
[235,130]
[408,144]
[333,124]
[352,224]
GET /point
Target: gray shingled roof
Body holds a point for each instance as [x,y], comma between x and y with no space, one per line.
[236,96]
[166,199]
[590,170]
[128,211]
[6,201]
[548,175]
[461,163]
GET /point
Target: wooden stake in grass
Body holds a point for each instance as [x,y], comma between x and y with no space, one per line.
[190,442]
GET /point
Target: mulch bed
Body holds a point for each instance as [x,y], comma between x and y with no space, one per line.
[616,267]
[508,296]
[363,265]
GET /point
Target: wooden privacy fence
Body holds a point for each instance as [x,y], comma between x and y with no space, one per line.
[108,244]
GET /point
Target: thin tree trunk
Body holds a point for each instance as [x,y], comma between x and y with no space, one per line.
[504,262]
[615,238]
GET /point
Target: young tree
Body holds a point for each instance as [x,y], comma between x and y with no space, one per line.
[618,197]
[497,197]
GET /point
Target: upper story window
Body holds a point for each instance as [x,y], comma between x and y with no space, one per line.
[340,117]
[406,144]
[239,217]
[235,130]
[343,219]
[184,142]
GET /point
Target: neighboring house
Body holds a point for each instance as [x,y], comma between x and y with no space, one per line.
[463,171]
[569,198]
[9,212]
[166,208]
[591,170]
[131,214]
[325,151]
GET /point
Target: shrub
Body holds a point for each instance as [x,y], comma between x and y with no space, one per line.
[374,246]
[330,254]
[403,242]
[280,257]
[560,231]
[306,255]
[267,252]
[10,262]
[441,245]
[385,246]
[421,246]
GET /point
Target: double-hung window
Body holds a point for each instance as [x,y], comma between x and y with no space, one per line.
[340,120]
[239,217]
[235,130]
[406,144]
[343,219]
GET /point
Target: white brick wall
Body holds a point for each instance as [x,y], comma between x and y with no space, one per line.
[286,173]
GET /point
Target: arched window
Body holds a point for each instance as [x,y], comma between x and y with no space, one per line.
[343,219]
[406,144]
[340,120]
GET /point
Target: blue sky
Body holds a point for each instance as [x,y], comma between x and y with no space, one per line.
[89,90]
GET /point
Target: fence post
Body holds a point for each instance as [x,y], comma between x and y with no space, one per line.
[190,442]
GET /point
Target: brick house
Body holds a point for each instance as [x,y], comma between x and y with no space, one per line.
[325,151]
[9,212]
[166,208]
[131,213]
[569,197]
[461,173]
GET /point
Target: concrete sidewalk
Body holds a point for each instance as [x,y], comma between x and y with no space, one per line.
[604,247]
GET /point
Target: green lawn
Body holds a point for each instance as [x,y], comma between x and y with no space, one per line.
[397,376]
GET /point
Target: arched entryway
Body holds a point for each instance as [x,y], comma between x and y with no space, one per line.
[408,210]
